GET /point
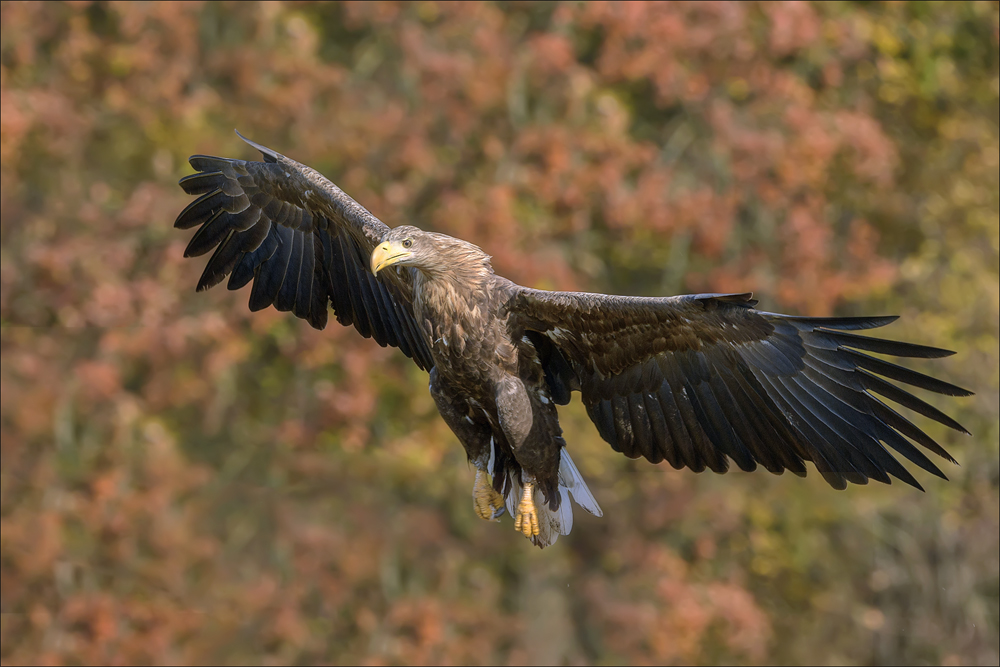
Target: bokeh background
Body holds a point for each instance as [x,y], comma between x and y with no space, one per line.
[186,482]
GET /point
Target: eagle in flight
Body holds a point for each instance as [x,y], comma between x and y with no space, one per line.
[697,381]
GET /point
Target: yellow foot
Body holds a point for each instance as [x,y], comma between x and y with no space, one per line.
[526,520]
[487,502]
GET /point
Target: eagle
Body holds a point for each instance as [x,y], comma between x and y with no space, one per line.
[699,381]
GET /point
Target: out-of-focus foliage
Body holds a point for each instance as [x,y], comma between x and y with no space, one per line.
[183,481]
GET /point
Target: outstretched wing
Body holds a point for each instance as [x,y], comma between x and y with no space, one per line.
[303,242]
[696,379]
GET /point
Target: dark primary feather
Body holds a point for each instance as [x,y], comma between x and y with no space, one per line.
[302,241]
[700,381]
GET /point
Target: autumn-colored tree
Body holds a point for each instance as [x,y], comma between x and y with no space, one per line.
[184,481]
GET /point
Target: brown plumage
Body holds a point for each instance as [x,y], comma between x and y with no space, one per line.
[697,381]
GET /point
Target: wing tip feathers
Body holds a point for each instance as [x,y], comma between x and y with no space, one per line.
[264,150]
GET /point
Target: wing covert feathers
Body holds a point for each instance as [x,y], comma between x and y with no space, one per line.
[704,381]
[303,244]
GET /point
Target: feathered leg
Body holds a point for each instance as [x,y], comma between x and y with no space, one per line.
[486,501]
[541,466]
[476,436]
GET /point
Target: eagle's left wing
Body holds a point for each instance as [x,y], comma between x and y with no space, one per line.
[305,244]
[697,379]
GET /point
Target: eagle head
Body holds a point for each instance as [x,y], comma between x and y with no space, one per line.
[404,245]
[436,255]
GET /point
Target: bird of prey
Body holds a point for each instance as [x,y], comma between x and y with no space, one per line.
[698,381]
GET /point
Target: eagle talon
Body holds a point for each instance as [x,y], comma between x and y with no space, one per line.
[526,520]
[486,501]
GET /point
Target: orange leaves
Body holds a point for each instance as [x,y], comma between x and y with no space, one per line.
[184,481]
[553,53]
[660,610]
[101,379]
[874,155]
[794,26]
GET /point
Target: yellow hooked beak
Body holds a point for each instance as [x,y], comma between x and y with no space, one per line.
[387,254]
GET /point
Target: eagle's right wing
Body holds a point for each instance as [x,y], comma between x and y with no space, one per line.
[698,380]
[303,242]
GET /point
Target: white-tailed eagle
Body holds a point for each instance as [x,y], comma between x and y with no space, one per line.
[698,381]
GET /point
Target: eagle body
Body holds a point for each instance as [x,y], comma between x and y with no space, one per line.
[487,380]
[699,381]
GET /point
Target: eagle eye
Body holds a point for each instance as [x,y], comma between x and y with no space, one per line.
[407,243]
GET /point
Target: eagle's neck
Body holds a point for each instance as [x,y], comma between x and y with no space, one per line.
[453,277]
[457,276]
[454,297]
[452,292]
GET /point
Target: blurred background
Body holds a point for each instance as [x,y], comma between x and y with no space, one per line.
[186,482]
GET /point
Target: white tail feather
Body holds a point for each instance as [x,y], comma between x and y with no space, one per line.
[570,477]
